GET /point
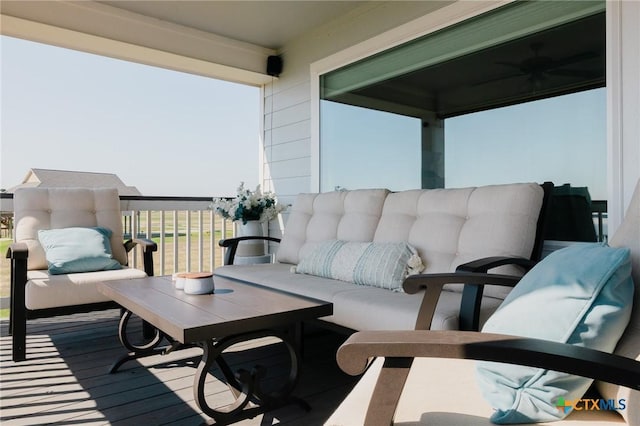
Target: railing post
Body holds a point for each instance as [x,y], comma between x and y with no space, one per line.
[187,250]
[176,235]
[200,240]
[212,240]
[162,245]
[134,234]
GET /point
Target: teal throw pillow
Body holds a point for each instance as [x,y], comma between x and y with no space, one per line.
[70,250]
[581,295]
[383,265]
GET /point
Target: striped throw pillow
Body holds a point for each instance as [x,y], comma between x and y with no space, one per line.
[383,265]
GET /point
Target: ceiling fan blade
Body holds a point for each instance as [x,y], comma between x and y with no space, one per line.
[576,73]
[510,64]
[575,59]
[500,78]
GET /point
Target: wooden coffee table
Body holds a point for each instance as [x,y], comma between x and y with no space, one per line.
[236,312]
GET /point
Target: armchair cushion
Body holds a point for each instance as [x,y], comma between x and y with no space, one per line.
[579,295]
[383,265]
[44,290]
[77,249]
[54,208]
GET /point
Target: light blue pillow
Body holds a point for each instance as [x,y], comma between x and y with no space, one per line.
[580,295]
[383,265]
[70,250]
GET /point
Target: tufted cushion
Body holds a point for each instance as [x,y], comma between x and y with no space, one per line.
[338,215]
[52,208]
[449,227]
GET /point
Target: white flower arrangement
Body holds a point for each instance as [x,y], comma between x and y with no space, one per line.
[248,205]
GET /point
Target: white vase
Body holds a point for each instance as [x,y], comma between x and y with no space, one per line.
[252,247]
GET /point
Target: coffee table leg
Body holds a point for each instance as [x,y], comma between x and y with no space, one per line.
[135,351]
[251,400]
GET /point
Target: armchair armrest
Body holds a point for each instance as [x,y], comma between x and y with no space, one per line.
[148,247]
[472,294]
[432,285]
[231,244]
[486,263]
[400,348]
[17,251]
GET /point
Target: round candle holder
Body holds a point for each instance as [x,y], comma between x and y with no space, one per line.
[198,283]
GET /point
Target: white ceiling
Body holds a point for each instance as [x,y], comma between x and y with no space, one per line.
[229,40]
[268,24]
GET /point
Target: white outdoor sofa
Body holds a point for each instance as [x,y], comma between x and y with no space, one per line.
[463,229]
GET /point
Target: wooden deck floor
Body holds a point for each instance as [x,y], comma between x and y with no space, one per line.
[64,380]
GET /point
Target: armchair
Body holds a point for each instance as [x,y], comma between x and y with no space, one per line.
[35,292]
[425,377]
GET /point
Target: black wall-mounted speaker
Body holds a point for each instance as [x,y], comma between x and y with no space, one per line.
[274,65]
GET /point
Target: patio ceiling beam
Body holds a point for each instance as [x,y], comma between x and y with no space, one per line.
[109,31]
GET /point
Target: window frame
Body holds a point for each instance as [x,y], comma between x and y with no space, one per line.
[458,12]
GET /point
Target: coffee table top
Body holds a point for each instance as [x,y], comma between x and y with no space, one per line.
[234,308]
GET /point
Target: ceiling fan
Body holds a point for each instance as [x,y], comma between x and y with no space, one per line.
[538,68]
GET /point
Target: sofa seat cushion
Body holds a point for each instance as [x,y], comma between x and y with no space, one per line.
[44,290]
[443,392]
[378,309]
[279,276]
[355,306]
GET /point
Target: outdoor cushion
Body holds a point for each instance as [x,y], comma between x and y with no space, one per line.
[338,215]
[579,295]
[77,249]
[448,227]
[355,306]
[44,290]
[52,208]
[383,265]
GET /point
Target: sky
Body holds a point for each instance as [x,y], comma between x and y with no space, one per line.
[162,131]
[559,139]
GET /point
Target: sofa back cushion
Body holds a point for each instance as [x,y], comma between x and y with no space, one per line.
[53,208]
[449,227]
[338,215]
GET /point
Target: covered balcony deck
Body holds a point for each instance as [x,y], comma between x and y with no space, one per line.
[65,378]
